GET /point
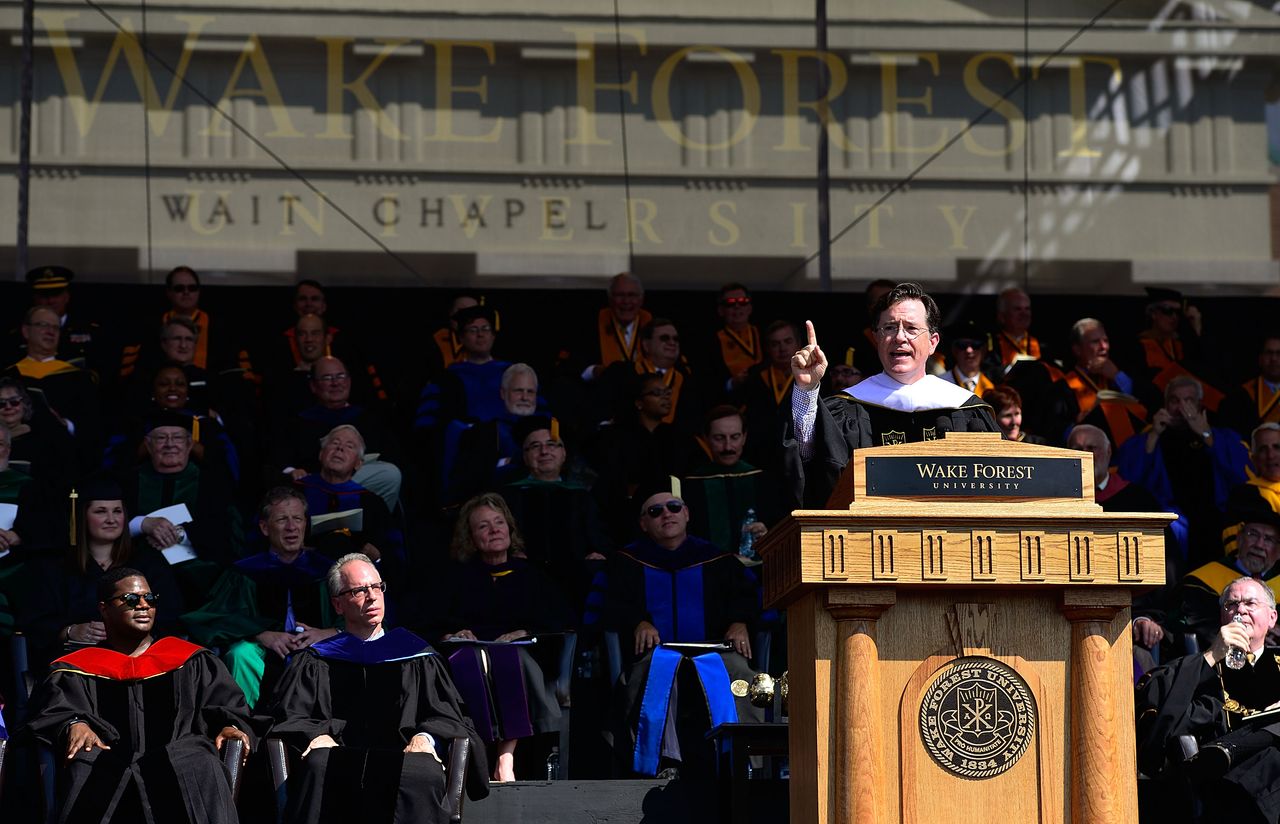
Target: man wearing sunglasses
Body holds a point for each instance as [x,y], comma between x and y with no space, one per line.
[1173,344]
[137,722]
[738,341]
[670,587]
[374,708]
[902,404]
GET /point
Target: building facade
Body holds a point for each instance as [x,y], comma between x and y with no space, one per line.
[412,141]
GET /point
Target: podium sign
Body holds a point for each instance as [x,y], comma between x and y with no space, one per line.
[958,638]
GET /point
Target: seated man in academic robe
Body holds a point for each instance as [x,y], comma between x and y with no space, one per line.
[634,448]
[1257,556]
[1106,396]
[69,392]
[558,517]
[902,404]
[202,548]
[672,588]
[269,605]
[333,490]
[1237,770]
[1257,400]
[294,453]
[659,354]
[1187,464]
[1012,340]
[137,722]
[765,395]
[738,344]
[1262,489]
[479,457]
[371,711]
[1173,345]
[722,492]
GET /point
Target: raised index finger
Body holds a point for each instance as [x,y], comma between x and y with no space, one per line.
[813,336]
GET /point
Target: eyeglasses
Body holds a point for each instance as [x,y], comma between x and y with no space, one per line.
[674,505]
[332,377]
[668,338]
[967,343]
[892,330]
[1249,604]
[167,438]
[132,599]
[540,445]
[361,593]
[1261,537]
[184,288]
[10,403]
[44,325]
[735,301]
[477,330]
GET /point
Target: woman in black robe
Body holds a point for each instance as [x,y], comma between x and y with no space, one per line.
[41,445]
[63,615]
[496,597]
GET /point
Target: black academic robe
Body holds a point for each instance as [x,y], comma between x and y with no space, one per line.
[690,594]
[844,424]
[719,497]
[628,456]
[47,452]
[159,713]
[561,525]
[494,600]
[649,583]
[68,394]
[372,705]
[1188,697]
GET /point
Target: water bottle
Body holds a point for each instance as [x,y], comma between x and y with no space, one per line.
[553,764]
[746,548]
[1236,657]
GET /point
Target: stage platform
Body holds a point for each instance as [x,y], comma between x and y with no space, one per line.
[625,802]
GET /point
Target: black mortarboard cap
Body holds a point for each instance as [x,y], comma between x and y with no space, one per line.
[529,424]
[1157,294]
[661,483]
[167,417]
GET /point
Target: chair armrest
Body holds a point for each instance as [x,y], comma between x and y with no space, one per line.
[278,758]
[1188,746]
[459,753]
[232,758]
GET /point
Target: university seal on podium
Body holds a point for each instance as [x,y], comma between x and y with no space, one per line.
[977,718]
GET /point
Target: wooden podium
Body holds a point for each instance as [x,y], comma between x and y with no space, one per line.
[958,638]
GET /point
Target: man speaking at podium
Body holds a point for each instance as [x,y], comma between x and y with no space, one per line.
[902,404]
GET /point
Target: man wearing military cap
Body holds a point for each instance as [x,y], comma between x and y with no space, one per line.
[77,344]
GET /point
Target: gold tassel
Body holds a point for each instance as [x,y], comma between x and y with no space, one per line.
[195,429]
[848,357]
[74,496]
[555,429]
[675,487]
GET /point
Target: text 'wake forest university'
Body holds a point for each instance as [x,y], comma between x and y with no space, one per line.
[466,88]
